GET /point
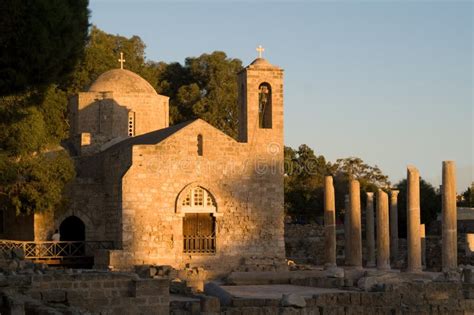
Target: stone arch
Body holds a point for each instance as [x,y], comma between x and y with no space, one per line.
[72,228]
[265,105]
[89,224]
[186,204]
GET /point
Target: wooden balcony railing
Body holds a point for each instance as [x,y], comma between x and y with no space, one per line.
[200,244]
[56,250]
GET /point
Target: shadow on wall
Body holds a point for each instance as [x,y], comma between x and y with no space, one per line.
[104,119]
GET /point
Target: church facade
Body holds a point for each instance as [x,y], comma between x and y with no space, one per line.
[174,195]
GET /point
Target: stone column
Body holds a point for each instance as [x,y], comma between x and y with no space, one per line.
[423,245]
[413,220]
[329,222]
[347,230]
[369,229]
[449,217]
[383,234]
[394,225]
[355,226]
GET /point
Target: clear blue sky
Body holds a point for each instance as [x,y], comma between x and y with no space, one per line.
[388,81]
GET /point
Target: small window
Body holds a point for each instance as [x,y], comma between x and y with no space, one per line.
[131,124]
[265,106]
[199,145]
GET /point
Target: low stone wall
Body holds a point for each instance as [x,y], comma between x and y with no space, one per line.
[304,243]
[97,293]
[415,298]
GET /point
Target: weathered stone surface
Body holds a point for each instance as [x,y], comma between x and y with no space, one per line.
[383,236]
[413,220]
[293,300]
[210,304]
[18,253]
[329,222]
[394,225]
[370,229]
[449,218]
[355,224]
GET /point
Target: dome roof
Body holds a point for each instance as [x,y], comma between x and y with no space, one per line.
[121,81]
[260,62]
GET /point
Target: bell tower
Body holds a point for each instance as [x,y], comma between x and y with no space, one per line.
[261,104]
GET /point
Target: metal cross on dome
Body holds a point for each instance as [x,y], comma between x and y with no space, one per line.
[260,50]
[121,60]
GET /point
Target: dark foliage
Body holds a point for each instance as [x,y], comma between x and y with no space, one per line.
[41,42]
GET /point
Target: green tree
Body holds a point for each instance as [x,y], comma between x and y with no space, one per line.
[102,53]
[370,178]
[33,168]
[35,184]
[467,198]
[430,204]
[205,87]
[41,41]
[304,183]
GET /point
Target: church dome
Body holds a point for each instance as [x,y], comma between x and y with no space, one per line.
[261,62]
[121,81]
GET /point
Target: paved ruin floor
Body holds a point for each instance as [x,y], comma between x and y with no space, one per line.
[274,291]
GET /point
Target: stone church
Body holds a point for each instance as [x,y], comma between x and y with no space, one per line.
[174,195]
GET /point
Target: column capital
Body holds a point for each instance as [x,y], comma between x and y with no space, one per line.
[394,193]
[370,195]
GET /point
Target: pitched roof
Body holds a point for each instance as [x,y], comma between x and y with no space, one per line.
[153,137]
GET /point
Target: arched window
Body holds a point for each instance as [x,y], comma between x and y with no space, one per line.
[265,105]
[198,199]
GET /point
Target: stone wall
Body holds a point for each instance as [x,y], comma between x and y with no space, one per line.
[98,293]
[413,298]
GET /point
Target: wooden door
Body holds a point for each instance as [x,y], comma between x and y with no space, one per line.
[198,233]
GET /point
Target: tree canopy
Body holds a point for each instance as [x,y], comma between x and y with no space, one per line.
[466,199]
[102,53]
[205,87]
[304,181]
[41,41]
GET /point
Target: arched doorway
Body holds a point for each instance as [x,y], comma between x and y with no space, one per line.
[72,229]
